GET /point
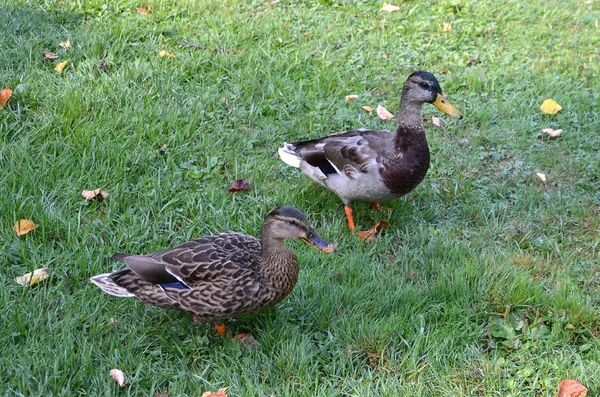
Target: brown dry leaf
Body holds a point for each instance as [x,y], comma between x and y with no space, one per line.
[143,11]
[32,278]
[60,66]
[435,121]
[552,133]
[571,388]
[50,55]
[368,109]
[167,54]
[65,44]
[245,340]
[219,393]
[447,28]
[118,376]
[383,113]
[389,8]
[164,393]
[24,226]
[369,235]
[239,185]
[350,98]
[94,194]
[549,106]
[5,94]
[541,177]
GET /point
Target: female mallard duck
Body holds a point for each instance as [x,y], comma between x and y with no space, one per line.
[220,276]
[374,166]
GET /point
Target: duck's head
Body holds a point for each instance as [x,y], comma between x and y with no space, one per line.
[423,87]
[289,222]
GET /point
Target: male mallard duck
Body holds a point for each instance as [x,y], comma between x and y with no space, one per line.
[374,166]
[220,276]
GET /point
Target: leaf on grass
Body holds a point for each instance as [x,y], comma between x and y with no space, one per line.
[549,106]
[167,54]
[50,55]
[389,8]
[98,194]
[239,185]
[143,11]
[540,176]
[350,98]
[552,133]
[164,393]
[383,113]
[447,28]
[24,226]
[369,235]
[5,94]
[219,393]
[245,340]
[65,44]
[32,278]
[571,388]
[368,109]
[60,66]
[162,149]
[118,376]
[435,121]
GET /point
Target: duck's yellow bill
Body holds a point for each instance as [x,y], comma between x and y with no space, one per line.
[317,242]
[442,103]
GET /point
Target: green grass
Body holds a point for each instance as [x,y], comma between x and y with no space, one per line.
[418,312]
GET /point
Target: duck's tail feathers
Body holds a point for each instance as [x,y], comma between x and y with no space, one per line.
[289,155]
[106,283]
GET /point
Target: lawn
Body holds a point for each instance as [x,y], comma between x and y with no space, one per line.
[485,283]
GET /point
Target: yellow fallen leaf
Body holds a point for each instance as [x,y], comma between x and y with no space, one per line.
[24,226]
[571,388]
[541,177]
[65,44]
[219,393]
[60,66]
[118,376]
[167,54]
[435,121]
[5,94]
[552,133]
[50,55]
[368,109]
[32,278]
[447,27]
[389,8]
[143,11]
[383,113]
[350,98]
[549,106]
[92,194]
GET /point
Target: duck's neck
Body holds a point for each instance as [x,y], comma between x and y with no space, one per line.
[279,264]
[410,132]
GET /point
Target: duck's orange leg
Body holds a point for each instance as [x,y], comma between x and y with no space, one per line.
[221,329]
[349,216]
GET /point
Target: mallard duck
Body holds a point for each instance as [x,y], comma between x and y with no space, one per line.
[374,166]
[220,276]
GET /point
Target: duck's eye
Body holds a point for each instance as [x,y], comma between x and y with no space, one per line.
[425,85]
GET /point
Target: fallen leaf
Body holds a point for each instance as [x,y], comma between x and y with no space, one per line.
[383,113]
[541,177]
[447,28]
[65,44]
[368,109]
[24,226]
[5,94]
[162,149]
[143,11]
[435,121]
[60,66]
[50,55]
[350,98]
[571,388]
[369,235]
[552,133]
[118,376]
[112,321]
[164,393]
[30,279]
[167,54]
[245,340]
[238,185]
[549,106]
[219,393]
[389,8]
[94,194]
